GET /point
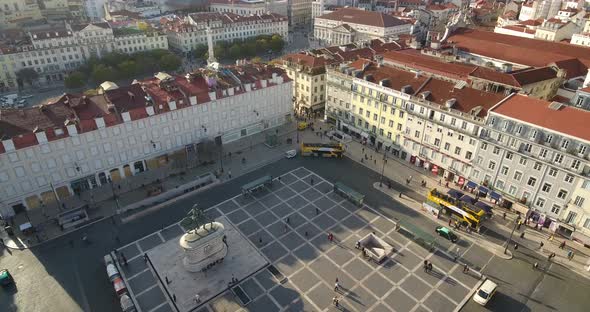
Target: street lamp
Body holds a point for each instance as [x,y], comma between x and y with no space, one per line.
[383,170]
[511,233]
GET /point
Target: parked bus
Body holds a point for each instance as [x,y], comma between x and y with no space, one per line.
[456,208]
[322,150]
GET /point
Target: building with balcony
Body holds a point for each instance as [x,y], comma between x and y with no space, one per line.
[14,13]
[534,152]
[249,7]
[432,123]
[82,142]
[300,12]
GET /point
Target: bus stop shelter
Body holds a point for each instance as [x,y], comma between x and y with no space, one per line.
[249,188]
[348,193]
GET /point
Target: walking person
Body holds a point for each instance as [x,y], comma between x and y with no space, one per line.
[229,173]
[425,265]
[311,180]
[562,245]
[429,266]
[541,245]
[465,269]
[570,254]
[336,286]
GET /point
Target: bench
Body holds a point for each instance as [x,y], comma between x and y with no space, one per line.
[248,189]
[348,193]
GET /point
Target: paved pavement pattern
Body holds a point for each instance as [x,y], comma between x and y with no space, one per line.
[289,222]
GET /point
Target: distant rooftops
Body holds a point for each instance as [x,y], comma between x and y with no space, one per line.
[358,16]
[530,52]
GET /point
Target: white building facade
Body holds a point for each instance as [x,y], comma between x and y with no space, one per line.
[50,163]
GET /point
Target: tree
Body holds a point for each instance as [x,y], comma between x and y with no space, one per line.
[75,80]
[27,74]
[200,51]
[276,43]
[170,62]
[128,68]
[102,73]
[219,52]
[235,51]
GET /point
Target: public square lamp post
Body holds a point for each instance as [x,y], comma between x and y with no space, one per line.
[511,233]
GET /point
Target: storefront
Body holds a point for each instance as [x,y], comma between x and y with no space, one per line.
[495,197]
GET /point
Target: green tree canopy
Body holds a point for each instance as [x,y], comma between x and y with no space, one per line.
[75,80]
[27,74]
[170,62]
[102,73]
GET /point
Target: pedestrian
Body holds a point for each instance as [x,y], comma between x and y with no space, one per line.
[429,266]
[400,194]
[504,216]
[375,161]
[336,286]
[197,299]
[515,246]
[425,265]
[145,257]
[124,259]
[522,234]
[287,220]
[535,265]
[260,240]
[229,173]
[570,254]
[439,182]
[465,269]
[311,180]
[450,220]
[317,211]
[541,245]
[562,245]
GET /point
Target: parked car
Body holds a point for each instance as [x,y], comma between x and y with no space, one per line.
[6,279]
[446,233]
[290,153]
[485,292]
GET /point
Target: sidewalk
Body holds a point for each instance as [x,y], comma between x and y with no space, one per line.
[399,170]
[102,204]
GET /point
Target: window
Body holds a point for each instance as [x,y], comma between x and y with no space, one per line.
[558,158]
[575,164]
[587,223]
[569,178]
[517,175]
[537,166]
[391,123]
[509,155]
[522,161]
[461,137]
[519,130]
[512,190]
[548,138]
[571,217]
[582,149]
[562,194]
[552,172]
[436,142]
[528,147]
[532,181]
[504,170]
[374,117]
[447,146]
[579,201]
[457,151]
[491,165]
[484,146]
[565,144]
[468,155]
[546,188]
[555,209]
[464,125]
[360,111]
[442,117]
[540,202]
[534,134]
[417,134]
[500,185]
[543,153]
[471,141]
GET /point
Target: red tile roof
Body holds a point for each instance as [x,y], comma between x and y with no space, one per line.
[530,52]
[567,120]
[440,91]
[357,16]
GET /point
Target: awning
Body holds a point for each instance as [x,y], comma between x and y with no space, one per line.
[435,169]
[483,189]
[455,194]
[495,196]
[365,135]
[471,184]
[468,199]
[461,181]
[484,206]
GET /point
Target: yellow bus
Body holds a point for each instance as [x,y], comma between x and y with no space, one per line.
[329,150]
[455,208]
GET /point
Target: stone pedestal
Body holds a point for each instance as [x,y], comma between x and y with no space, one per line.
[203,246]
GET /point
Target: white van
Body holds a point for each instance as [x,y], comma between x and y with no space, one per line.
[485,292]
[290,153]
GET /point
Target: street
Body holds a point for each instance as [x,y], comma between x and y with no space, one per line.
[67,275]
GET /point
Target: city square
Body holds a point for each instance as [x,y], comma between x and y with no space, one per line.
[289,223]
